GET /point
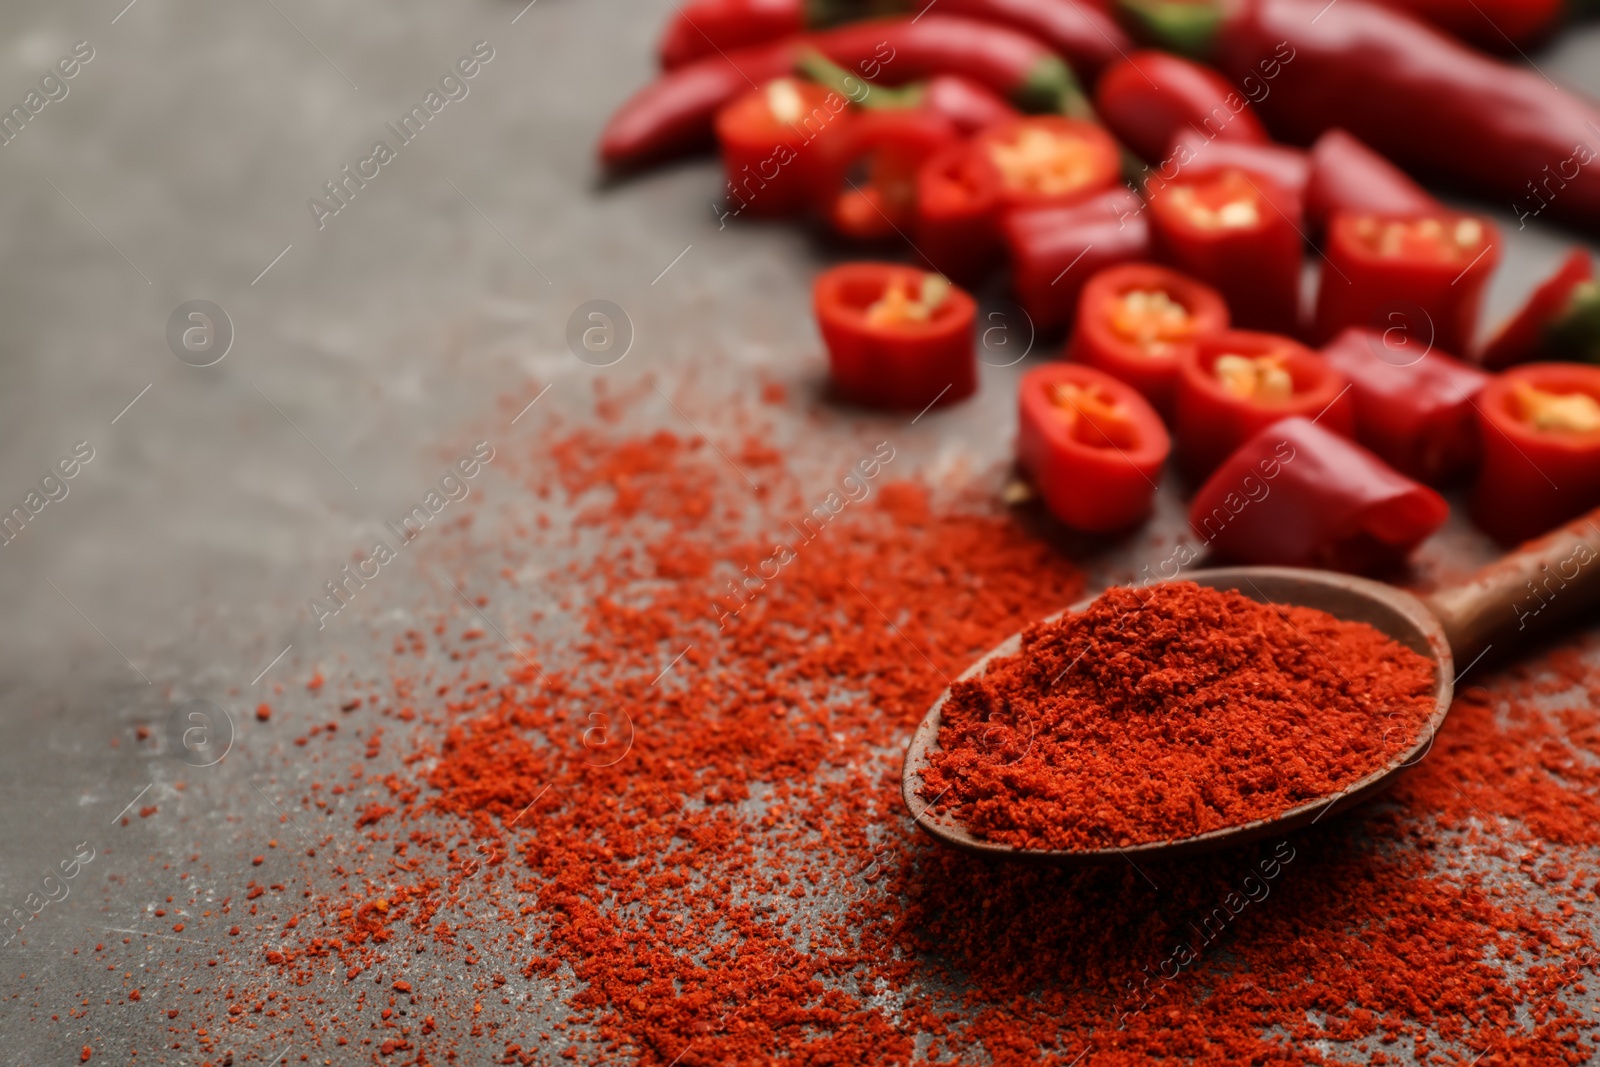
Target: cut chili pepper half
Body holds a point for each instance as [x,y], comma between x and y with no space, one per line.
[1231,384]
[1298,495]
[1091,445]
[1423,272]
[1414,410]
[867,187]
[1238,232]
[1541,449]
[897,337]
[772,139]
[1561,320]
[1136,320]
[1047,159]
[1054,251]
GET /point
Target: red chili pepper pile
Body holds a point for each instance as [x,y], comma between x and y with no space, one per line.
[492,883]
[1170,712]
[903,130]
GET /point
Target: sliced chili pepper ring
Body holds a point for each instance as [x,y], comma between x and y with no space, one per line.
[1541,449]
[1091,444]
[1048,159]
[897,337]
[1234,383]
[1137,319]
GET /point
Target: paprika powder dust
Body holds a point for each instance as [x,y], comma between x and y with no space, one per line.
[628,833]
[1169,712]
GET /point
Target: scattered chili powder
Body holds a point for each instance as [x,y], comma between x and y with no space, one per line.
[591,857]
[1169,712]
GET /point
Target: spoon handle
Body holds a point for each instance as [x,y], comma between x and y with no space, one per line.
[1538,584]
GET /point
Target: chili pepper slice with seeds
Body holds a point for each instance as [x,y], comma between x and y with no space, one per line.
[1046,160]
[767,151]
[1561,320]
[1541,449]
[1054,251]
[1030,162]
[1091,445]
[1151,97]
[1413,408]
[1238,233]
[897,337]
[1421,272]
[1299,495]
[673,115]
[1231,384]
[1137,320]
[1346,175]
[1426,101]
[1087,38]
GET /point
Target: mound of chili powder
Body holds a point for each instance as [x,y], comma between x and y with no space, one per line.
[1171,711]
[507,869]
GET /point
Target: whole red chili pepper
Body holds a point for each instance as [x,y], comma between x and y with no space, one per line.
[1299,495]
[764,148]
[1151,97]
[1495,25]
[1421,272]
[1237,232]
[897,337]
[1087,38]
[1136,321]
[1288,168]
[1413,408]
[673,115]
[1346,175]
[1055,251]
[705,27]
[1091,444]
[1561,320]
[890,146]
[1234,383]
[1541,449]
[1423,99]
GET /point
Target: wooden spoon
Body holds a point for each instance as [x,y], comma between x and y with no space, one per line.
[1540,584]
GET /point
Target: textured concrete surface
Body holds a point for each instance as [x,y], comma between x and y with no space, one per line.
[366,353]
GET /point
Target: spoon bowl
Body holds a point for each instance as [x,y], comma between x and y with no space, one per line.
[1465,621]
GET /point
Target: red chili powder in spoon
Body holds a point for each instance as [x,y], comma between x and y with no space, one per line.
[1172,711]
